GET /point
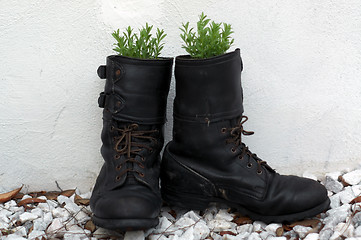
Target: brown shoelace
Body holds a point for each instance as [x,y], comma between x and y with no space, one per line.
[125,144]
[236,139]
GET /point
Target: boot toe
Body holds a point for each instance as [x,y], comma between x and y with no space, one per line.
[292,195]
[129,202]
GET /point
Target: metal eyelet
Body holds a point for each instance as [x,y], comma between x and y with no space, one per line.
[249,165]
[151,150]
[117,178]
[111,128]
[116,156]
[141,174]
[233,150]
[259,172]
[223,130]
[240,157]
[143,159]
[118,167]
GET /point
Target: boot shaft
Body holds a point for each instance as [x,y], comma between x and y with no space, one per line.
[136,90]
[208,90]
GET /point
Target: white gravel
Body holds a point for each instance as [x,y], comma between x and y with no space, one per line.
[64,218]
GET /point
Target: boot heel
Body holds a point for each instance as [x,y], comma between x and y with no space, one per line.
[185,200]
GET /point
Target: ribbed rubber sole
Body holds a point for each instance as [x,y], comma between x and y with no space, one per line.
[200,202]
[125,224]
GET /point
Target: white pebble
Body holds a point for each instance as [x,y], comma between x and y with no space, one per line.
[254,236]
[301,230]
[312,236]
[223,215]
[273,227]
[246,228]
[219,225]
[258,226]
[201,231]
[26,216]
[353,177]
[34,234]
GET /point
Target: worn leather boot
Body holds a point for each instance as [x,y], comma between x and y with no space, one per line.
[207,162]
[126,195]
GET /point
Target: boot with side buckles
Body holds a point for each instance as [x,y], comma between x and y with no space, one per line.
[126,195]
[207,162]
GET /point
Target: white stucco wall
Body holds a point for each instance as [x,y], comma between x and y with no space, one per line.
[302,81]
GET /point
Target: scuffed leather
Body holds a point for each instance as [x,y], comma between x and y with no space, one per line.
[135,93]
[208,99]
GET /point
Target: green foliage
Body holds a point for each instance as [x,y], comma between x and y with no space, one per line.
[211,39]
[141,45]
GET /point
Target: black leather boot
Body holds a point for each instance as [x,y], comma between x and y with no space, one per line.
[126,195]
[207,161]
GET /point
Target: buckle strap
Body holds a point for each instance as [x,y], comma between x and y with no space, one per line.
[102,71]
[114,103]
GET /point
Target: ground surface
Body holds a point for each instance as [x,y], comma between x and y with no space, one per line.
[67,215]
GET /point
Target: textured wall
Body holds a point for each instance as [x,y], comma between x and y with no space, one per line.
[301,81]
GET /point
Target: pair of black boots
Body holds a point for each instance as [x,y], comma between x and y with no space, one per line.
[205,162]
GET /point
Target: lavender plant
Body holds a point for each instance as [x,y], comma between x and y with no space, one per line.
[211,38]
[141,45]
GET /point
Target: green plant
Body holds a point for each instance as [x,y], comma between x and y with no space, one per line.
[211,39]
[139,46]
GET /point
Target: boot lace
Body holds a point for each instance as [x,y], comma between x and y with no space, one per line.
[125,144]
[236,139]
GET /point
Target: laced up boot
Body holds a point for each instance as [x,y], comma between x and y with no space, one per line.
[126,195]
[207,162]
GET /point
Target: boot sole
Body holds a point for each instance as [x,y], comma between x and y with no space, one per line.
[199,202]
[125,224]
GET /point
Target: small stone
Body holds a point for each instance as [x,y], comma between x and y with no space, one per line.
[219,225]
[254,236]
[336,215]
[26,216]
[38,212]
[192,215]
[273,227]
[134,235]
[357,231]
[258,226]
[246,228]
[312,236]
[301,230]
[346,195]
[325,234]
[10,204]
[335,201]
[20,230]
[346,230]
[13,237]
[200,231]
[60,213]
[56,228]
[276,238]
[82,217]
[352,178]
[224,215]
[48,206]
[184,222]
[333,185]
[188,234]
[36,234]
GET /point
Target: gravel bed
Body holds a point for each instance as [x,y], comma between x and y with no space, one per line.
[67,215]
